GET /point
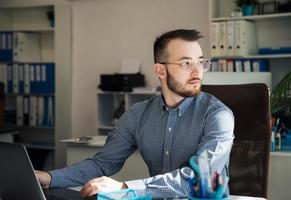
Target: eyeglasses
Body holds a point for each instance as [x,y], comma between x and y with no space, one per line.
[189,65]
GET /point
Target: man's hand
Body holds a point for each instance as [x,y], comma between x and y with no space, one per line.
[101,184]
[44,178]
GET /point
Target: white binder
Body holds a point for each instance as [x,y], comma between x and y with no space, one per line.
[33,111]
[245,38]
[247,65]
[3,75]
[15,79]
[222,39]
[230,38]
[214,37]
[40,111]
[26,47]
[19,110]
[26,79]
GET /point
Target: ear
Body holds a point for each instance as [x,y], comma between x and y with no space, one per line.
[160,70]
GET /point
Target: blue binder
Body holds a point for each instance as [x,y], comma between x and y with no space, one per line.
[9,78]
[21,79]
[6,41]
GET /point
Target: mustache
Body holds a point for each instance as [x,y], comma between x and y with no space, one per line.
[194,79]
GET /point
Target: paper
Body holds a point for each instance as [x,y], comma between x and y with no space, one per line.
[130,66]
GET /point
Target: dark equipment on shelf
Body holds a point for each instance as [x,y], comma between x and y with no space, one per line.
[121,82]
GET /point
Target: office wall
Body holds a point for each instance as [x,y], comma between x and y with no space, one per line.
[106,31]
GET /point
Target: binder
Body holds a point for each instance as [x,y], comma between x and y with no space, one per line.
[47,78]
[6,46]
[222,39]
[222,65]
[247,65]
[214,37]
[26,47]
[26,79]
[230,38]
[238,65]
[21,79]
[260,65]
[15,79]
[33,111]
[40,111]
[214,65]
[245,38]
[9,78]
[19,111]
[3,76]
[229,66]
[50,111]
[25,111]
[32,79]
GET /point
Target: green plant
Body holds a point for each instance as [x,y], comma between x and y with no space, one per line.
[241,3]
[281,96]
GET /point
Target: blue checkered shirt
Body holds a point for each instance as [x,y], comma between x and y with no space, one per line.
[166,138]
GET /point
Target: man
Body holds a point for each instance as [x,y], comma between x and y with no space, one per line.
[167,129]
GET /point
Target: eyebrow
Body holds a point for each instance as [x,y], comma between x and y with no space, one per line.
[189,58]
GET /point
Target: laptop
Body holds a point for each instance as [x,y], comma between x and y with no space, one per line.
[18,180]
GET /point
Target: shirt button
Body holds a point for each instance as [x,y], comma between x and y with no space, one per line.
[170,129]
[167,152]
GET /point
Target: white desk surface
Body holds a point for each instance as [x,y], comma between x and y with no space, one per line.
[232,197]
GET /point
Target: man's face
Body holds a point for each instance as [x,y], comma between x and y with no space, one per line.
[184,81]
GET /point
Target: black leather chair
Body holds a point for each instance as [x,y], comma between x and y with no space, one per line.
[249,159]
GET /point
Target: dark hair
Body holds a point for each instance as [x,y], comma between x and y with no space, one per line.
[161,43]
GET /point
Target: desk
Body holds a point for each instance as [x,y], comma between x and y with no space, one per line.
[7,134]
[232,197]
[279,176]
[134,167]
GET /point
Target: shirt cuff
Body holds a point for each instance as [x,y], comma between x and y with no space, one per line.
[138,185]
[56,178]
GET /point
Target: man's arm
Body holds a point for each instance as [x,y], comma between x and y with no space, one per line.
[217,140]
[120,144]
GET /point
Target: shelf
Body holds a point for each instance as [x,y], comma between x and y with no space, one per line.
[105,127]
[38,146]
[253,17]
[44,29]
[272,56]
[280,153]
[32,62]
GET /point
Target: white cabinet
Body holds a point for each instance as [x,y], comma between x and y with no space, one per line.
[279,176]
[134,167]
[50,21]
[110,106]
[272,30]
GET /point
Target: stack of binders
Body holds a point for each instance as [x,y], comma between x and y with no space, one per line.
[233,38]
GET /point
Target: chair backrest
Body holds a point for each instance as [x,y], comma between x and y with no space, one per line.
[249,159]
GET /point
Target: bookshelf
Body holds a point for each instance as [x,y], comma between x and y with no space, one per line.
[110,106]
[30,17]
[272,30]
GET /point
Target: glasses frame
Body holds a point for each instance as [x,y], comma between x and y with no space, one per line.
[189,66]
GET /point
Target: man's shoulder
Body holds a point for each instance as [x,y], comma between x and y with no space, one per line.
[211,101]
[139,107]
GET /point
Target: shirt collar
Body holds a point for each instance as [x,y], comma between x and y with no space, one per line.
[182,107]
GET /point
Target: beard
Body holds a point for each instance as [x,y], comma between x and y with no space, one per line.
[181,89]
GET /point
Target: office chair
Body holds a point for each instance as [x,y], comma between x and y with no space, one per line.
[249,158]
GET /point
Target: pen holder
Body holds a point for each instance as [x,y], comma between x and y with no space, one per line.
[205,185]
[127,194]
